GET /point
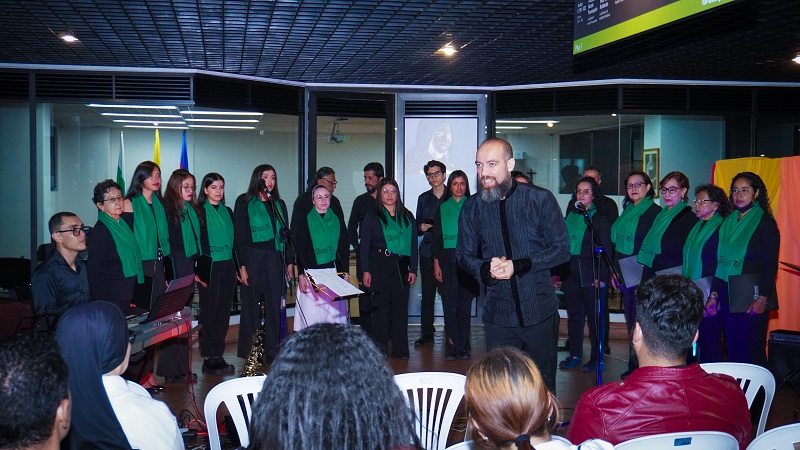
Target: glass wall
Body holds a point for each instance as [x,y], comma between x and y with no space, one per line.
[15,159]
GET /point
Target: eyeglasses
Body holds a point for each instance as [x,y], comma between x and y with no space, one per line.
[389,191]
[322,197]
[77,230]
[113,200]
[671,190]
[329,181]
[584,192]
[636,185]
[700,201]
[433,174]
[188,188]
[743,191]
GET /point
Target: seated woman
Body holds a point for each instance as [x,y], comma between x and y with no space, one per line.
[107,411]
[330,387]
[509,407]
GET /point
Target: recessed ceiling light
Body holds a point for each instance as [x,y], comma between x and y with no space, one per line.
[448,50]
[69,38]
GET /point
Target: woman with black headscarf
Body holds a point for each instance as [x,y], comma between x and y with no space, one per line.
[109,412]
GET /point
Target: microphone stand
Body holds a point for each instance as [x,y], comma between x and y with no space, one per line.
[599,252]
[286,236]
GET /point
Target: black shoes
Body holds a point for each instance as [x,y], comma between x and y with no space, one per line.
[155,389]
[182,378]
[465,355]
[423,340]
[217,365]
[451,353]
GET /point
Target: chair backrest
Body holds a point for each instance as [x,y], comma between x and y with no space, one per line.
[434,397]
[786,437]
[15,318]
[697,440]
[238,395]
[750,378]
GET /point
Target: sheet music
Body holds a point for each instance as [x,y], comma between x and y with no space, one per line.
[329,279]
[704,284]
[631,271]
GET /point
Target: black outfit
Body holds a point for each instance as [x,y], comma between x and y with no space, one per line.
[605,206]
[265,276]
[577,277]
[427,207]
[302,206]
[459,288]
[745,335]
[216,299]
[389,287]
[56,286]
[672,242]
[173,354]
[306,259]
[104,268]
[527,228]
[362,205]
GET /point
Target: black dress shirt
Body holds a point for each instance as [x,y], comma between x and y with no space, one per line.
[55,285]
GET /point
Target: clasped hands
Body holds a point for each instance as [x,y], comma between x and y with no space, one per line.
[501,268]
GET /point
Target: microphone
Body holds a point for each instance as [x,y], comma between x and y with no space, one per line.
[264,189]
[580,206]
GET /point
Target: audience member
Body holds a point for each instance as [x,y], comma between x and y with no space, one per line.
[108,411]
[34,394]
[509,406]
[663,395]
[330,387]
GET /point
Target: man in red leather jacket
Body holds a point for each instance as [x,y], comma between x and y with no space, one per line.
[663,395]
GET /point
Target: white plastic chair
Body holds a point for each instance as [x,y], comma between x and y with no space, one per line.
[782,438]
[238,395]
[466,445]
[434,397]
[697,440]
[750,378]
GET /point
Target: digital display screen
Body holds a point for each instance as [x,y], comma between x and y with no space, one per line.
[601,22]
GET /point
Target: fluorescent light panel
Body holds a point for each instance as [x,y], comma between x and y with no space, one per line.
[511,128]
[527,121]
[223,120]
[160,116]
[152,127]
[149,121]
[221,113]
[229,127]
[102,105]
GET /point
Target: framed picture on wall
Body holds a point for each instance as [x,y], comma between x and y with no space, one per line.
[651,162]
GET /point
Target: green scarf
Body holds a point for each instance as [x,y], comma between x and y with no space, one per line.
[693,248]
[397,235]
[576,227]
[450,210]
[220,231]
[147,227]
[623,232]
[324,230]
[125,242]
[734,236]
[262,227]
[651,246]
[189,230]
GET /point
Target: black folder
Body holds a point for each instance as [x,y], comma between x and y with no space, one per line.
[742,291]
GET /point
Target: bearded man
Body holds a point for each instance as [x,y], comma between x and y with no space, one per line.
[509,237]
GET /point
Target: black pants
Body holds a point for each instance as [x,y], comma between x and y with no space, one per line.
[734,337]
[215,308]
[581,309]
[539,341]
[429,286]
[265,273]
[390,301]
[457,300]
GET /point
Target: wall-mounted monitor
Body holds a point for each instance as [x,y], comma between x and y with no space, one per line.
[601,22]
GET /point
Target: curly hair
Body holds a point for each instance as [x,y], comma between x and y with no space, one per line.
[506,397]
[759,189]
[716,195]
[330,387]
[102,188]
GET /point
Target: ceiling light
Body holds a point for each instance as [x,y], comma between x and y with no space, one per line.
[796,59]
[157,127]
[527,121]
[448,50]
[511,128]
[549,124]
[148,121]
[224,120]
[222,113]
[102,105]
[69,38]
[160,116]
[229,127]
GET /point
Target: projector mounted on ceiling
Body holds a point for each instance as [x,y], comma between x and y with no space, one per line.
[336,136]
